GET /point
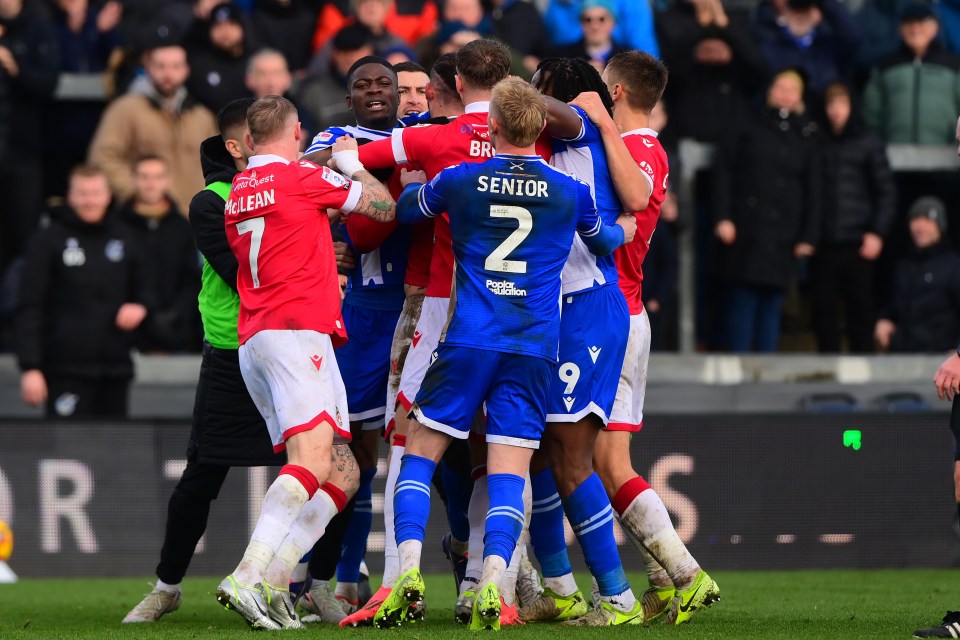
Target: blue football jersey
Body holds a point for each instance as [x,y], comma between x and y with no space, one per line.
[512,219]
[584,158]
[377,280]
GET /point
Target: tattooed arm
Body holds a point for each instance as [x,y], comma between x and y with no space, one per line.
[375,201]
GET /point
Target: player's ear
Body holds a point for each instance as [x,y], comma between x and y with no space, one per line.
[459,83]
[233,148]
[248,139]
[298,131]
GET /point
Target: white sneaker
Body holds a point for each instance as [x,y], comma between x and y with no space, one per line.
[280,607]
[154,605]
[322,604]
[248,601]
[528,583]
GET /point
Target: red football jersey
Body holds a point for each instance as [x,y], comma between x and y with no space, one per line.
[277,226]
[434,148]
[652,160]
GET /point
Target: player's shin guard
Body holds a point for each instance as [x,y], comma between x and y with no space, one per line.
[509,587]
[547,536]
[644,516]
[309,526]
[591,516]
[355,541]
[411,504]
[477,513]
[281,505]
[458,486]
[391,557]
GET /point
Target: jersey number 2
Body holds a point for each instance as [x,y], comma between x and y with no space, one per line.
[253,226]
[497,260]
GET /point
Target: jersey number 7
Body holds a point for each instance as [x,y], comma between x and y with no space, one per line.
[497,260]
[255,227]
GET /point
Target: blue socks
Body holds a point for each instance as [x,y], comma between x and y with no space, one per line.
[505,516]
[355,538]
[591,516]
[546,527]
[411,498]
[458,487]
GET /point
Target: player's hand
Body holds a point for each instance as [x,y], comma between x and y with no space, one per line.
[592,105]
[345,143]
[343,285]
[336,216]
[33,387]
[803,250]
[412,176]
[109,16]
[883,331]
[726,231]
[346,156]
[8,62]
[653,306]
[947,379]
[344,255]
[871,247]
[130,315]
[629,224]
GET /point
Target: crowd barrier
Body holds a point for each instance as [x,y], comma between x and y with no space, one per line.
[754,491]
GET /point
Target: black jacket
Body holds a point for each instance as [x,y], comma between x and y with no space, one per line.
[173,265]
[767,183]
[216,77]
[76,276]
[33,43]
[206,211]
[706,100]
[858,188]
[227,427]
[521,27]
[926,301]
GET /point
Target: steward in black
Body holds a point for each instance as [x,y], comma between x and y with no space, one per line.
[76,276]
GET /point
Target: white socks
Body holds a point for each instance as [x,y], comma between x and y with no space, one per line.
[167,588]
[410,552]
[391,557]
[281,505]
[493,570]
[309,526]
[477,516]
[647,520]
[564,585]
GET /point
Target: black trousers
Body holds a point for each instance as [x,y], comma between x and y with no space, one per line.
[839,276]
[73,398]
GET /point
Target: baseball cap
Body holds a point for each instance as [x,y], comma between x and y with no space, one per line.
[225,12]
[599,4]
[932,208]
[916,12]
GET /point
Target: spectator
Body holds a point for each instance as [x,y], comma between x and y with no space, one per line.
[324,95]
[859,204]
[879,22]
[371,14]
[767,201]
[29,62]
[267,74]
[89,43]
[218,65]
[156,117]
[715,67]
[819,37]
[635,27]
[410,20]
[412,81]
[288,26]
[598,19]
[165,244]
[518,24]
[913,96]
[924,315]
[449,38]
[949,12]
[82,295]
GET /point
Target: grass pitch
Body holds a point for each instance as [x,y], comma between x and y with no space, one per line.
[782,605]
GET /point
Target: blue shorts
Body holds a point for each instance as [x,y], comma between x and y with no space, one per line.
[365,362]
[461,379]
[594,326]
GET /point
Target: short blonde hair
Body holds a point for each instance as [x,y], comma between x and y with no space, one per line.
[268,117]
[520,109]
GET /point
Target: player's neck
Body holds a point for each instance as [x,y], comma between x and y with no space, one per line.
[281,149]
[470,96]
[628,119]
[507,149]
[380,124]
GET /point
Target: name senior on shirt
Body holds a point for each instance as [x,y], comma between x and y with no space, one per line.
[513,186]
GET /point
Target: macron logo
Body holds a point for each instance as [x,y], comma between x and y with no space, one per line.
[568,401]
[416,338]
[317,361]
[647,144]
[594,353]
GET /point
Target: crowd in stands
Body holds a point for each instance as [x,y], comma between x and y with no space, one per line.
[800,222]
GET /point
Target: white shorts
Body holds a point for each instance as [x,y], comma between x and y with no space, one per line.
[425,339]
[627,413]
[294,381]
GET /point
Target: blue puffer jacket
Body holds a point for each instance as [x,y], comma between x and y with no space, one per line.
[634,24]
